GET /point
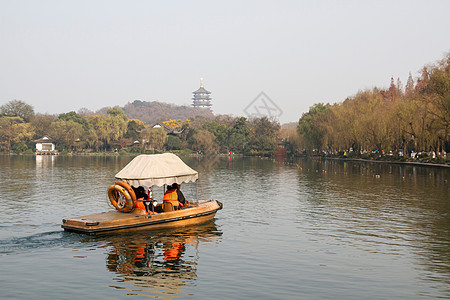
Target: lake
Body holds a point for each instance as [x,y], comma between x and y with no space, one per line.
[297,229]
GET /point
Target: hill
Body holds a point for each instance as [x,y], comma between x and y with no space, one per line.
[154,111]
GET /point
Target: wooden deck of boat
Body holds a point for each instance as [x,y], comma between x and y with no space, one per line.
[114,220]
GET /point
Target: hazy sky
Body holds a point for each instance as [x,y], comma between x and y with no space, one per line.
[64,55]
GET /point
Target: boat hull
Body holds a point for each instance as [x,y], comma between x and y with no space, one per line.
[114,221]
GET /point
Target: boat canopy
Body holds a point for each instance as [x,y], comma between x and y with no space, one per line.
[156,169]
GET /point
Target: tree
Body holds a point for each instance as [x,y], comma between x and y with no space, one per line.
[263,126]
[370,124]
[204,141]
[41,124]
[399,88]
[73,116]
[173,143]
[409,89]
[221,133]
[116,127]
[17,108]
[437,95]
[262,145]
[401,117]
[422,81]
[19,147]
[13,130]
[117,112]
[108,129]
[392,93]
[134,127]
[66,133]
[239,136]
[263,135]
[98,128]
[92,140]
[155,138]
[85,113]
[312,126]
[344,128]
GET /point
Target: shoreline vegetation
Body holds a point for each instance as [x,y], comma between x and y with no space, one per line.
[399,123]
[408,124]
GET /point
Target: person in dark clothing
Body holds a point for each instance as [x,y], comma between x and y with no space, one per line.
[139,192]
[181,198]
[141,195]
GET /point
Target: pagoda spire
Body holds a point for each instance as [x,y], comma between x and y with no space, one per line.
[201,81]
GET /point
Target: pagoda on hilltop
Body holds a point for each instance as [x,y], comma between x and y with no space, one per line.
[201,97]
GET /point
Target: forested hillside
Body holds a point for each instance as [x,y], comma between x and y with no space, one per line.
[152,112]
[122,130]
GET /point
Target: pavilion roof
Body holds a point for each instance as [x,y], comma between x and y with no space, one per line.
[202,90]
[44,139]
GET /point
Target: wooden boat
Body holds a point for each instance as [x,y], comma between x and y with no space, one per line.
[146,170]
[199,213]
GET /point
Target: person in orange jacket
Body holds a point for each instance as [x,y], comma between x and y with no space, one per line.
[181,198]
[171,196]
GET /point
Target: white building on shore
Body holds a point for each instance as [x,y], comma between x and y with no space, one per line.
[45,145]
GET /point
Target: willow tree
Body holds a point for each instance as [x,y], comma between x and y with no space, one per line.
[155,138]
[116,124]
[344,128]
[437,94]
[66,133]
[373,128]
[313,126]
[99,126]
[401,118]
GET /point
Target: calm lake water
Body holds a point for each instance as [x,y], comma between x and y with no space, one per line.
[289,230]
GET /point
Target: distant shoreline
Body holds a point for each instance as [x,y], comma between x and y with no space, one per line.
[415,163]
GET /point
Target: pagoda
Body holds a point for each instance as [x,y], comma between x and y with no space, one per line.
[201,97]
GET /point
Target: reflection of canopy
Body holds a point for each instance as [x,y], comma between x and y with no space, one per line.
[157,169]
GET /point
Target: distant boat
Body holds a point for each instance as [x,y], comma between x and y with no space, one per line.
[146,170]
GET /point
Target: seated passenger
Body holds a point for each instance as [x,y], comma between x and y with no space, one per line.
[181,199]
[142,199]
[171,196]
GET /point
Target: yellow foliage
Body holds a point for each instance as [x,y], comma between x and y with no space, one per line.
[176,124]
[137,121]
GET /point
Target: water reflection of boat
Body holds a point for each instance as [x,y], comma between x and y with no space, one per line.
[163,264]
[146,170]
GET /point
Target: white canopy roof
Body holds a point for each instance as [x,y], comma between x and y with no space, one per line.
[156,169]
